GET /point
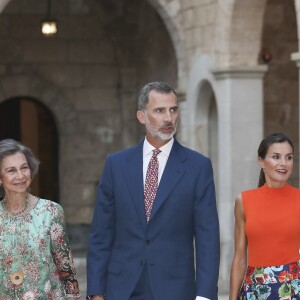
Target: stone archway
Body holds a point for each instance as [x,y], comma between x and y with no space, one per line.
[30,122]
[206,126]
[64,116]
[238,32]
[48,94]
[206,120]
[233,89]
[169,14]
[89,82]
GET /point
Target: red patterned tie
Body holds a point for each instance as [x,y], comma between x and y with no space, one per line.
[151,183]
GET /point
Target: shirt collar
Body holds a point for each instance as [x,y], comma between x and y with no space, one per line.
[165,149]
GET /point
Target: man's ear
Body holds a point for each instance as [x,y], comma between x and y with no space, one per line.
[141,116]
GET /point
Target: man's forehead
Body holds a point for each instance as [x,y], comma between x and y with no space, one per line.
[162,99]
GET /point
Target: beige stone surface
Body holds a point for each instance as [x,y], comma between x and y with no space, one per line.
[78,215]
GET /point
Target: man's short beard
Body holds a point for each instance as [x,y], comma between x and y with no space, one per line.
[157,134]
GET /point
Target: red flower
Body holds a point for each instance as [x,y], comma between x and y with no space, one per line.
[63,274]
[75,286]
[249,273]
[259,278]
[70,287]
[294,270]
[284,276]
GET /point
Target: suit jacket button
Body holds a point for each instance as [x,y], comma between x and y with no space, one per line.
[148,242]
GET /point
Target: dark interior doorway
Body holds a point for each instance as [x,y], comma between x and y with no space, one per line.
[30,122]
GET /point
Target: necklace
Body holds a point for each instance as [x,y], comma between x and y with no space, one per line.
[16,213]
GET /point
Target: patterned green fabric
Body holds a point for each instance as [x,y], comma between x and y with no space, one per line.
[37,246]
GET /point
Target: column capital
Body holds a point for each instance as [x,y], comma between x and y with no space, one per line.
[296,58]
[240,72]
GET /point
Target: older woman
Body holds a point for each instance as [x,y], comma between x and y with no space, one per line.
[35,257]
[266,263]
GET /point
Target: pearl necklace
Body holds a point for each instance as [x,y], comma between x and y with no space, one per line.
[16,213]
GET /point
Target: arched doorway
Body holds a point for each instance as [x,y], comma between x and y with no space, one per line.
[207,120]
[27,120]
[207,125]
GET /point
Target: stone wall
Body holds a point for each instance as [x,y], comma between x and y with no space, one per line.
[88,76]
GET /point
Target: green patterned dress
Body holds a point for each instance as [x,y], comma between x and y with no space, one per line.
[35,258]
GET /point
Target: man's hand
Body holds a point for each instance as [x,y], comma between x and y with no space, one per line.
[97,297]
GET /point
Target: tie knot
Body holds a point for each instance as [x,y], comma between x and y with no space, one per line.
[155,152]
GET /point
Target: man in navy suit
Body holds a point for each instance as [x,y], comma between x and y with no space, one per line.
[173,252]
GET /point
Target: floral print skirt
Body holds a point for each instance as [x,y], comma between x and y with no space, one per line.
[272,283]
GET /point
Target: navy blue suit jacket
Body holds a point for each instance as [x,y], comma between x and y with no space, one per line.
[184,216]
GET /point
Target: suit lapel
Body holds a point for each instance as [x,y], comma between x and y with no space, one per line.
[134,176]
[174,170]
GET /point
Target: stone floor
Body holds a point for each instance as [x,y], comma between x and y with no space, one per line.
[80,264]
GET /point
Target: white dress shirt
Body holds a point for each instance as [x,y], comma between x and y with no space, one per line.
[162,161]
[162,157]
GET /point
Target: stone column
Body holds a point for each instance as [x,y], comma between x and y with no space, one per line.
[239,94]
[296,58]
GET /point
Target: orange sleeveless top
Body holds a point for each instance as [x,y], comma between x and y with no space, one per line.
[272,225]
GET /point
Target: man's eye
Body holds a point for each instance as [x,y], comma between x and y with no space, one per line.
[290,157]
[275,156]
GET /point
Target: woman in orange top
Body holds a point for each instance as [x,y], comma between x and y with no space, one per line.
[267,229]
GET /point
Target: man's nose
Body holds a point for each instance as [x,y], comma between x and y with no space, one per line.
[167,117]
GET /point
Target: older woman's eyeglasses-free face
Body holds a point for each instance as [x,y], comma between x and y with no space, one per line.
[15,174]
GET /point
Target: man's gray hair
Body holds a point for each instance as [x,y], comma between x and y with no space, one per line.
[161,87]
